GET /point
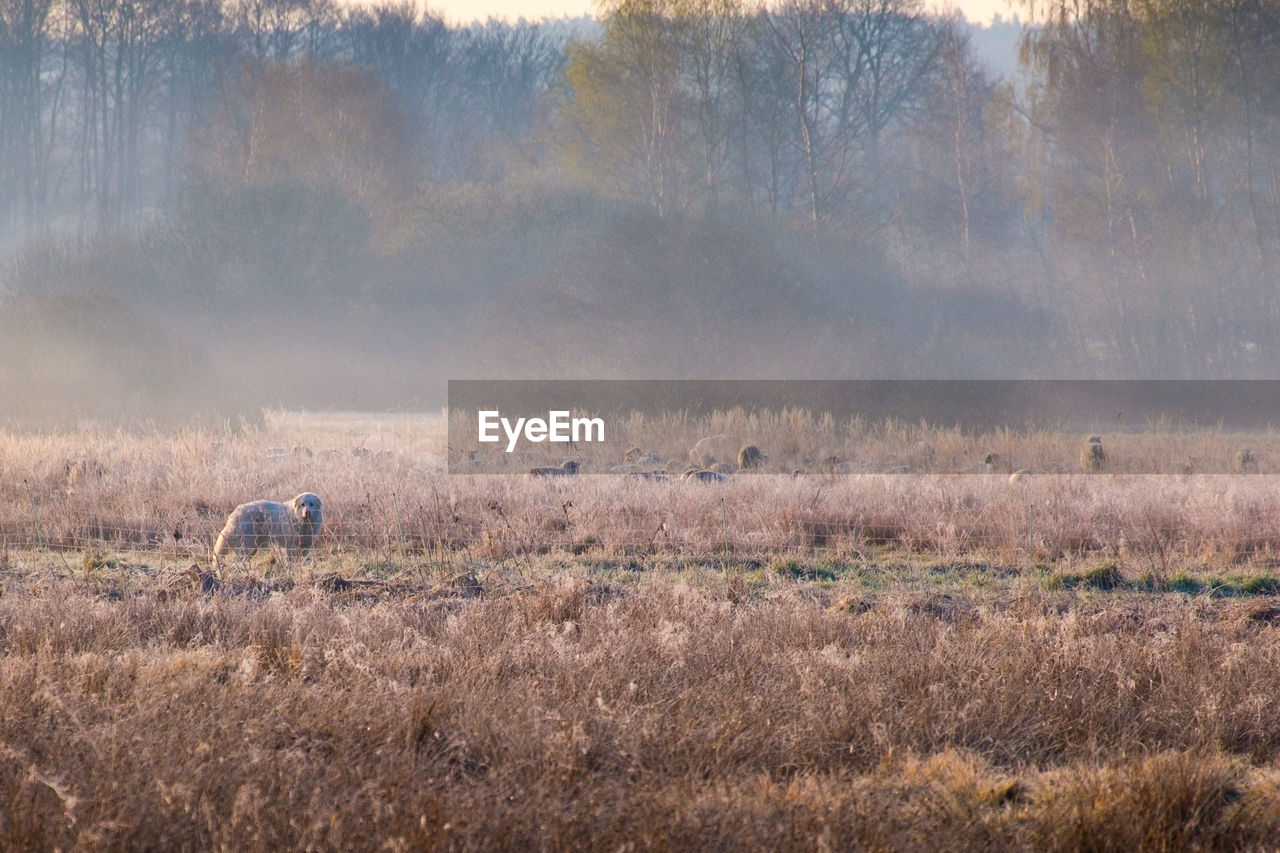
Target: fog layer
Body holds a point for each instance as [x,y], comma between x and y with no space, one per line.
[210,207]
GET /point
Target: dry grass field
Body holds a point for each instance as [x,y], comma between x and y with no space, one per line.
[833,660]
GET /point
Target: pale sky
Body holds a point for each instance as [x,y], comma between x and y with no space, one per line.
[465,11]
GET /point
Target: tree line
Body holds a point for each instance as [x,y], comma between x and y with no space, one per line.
[104,103]
[671,172]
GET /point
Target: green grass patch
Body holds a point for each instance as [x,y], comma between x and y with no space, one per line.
[1218,586]
[804,570]
[1105,577]
[1261,585]
[1186,583]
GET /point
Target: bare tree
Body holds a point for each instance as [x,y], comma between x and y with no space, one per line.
[31,85]
[714,30]
[415,54]
[855,67]
[277,30]
[117,47]
[802,37]
[629,104]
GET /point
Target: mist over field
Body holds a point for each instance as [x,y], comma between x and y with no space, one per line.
[962,615]
[207,207]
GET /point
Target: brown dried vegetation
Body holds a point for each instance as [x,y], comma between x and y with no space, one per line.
[566,711]
[475,662]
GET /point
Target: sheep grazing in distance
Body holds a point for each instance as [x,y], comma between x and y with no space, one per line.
[710,449]
[637,456]
[702,475]
[566,469]
[651,476]
[1092,456]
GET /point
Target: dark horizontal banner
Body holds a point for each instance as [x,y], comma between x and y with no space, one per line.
[670,428]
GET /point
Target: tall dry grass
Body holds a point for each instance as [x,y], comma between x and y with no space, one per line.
[805,441]
[565,712]
[386,493]
[489,662]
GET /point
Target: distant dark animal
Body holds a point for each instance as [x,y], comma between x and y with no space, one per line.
[567,469]
[294,526]
[750,458]
[1246,460]
[1092,456]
